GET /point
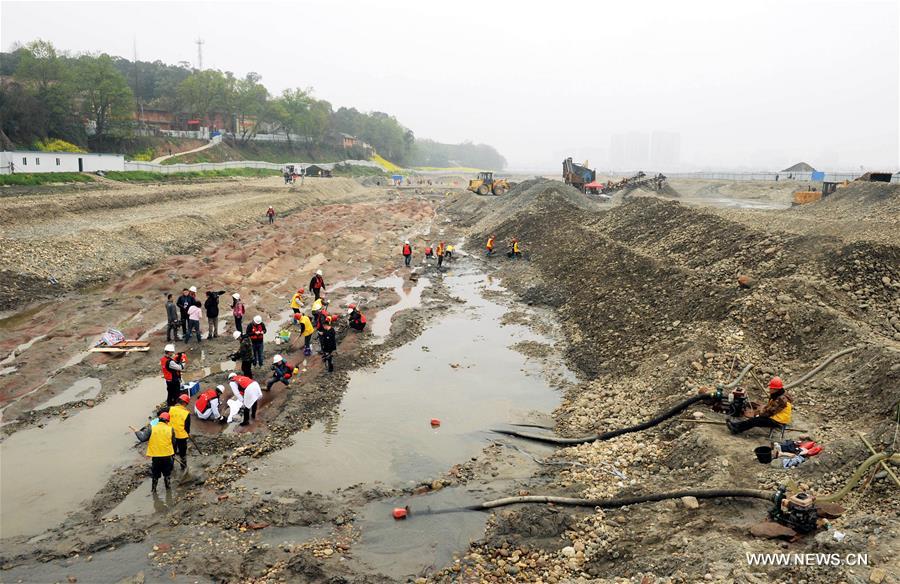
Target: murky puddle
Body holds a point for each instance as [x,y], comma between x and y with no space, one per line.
[85,388]
[119,565]
[460,371]
[410,297]
[45,473]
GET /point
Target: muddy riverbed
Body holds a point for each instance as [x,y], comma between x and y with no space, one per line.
[405,420]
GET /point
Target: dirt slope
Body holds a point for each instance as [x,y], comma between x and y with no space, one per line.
[87,237]
[647,297]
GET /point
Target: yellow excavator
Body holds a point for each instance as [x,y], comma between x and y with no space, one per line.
[486,184]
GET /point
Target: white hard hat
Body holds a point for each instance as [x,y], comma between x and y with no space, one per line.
[257,319]
[192,289]
[277,359]
[236,296]
[236,334]
[232,375]
[318,272]
[170,348]
[220,388]
[406,242]
[349,311]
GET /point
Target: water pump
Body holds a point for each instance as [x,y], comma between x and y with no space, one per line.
[796,511]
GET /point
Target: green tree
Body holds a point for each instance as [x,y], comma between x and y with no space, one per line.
[204,93]
[106,100]
[250,106]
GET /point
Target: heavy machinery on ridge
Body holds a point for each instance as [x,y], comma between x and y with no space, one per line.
[486,184]
[578,175]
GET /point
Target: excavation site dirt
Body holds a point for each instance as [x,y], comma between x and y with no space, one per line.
[559,416]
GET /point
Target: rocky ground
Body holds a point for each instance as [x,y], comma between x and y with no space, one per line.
[648,300]
[641,297]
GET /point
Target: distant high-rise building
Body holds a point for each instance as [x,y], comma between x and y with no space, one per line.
[629,151]
[665,150]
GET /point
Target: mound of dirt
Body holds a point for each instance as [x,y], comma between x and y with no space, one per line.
[648,300]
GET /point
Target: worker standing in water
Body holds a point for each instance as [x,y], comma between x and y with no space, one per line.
[161,450]
[407,253]
[317,284]
[172,366]
[297,301]
[180,420]
[489,246]
[328,341]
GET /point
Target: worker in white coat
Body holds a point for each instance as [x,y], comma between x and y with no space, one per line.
[248,392]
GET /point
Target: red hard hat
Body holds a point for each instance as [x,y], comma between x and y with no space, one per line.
[300,291]
[164,416]
[185,398]
[776,383]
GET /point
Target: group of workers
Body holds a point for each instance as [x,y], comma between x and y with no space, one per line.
[514,248]
[168,433]
[442,252]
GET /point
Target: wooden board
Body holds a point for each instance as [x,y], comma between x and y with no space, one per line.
[119,349]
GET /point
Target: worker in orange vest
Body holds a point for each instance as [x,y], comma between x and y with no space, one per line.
[440,254]
[489,248]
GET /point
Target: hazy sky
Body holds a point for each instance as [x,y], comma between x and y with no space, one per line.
[747,83]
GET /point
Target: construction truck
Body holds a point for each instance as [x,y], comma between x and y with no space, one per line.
[578,175]
[486,184]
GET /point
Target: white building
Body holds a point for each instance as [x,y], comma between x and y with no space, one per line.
[21,162]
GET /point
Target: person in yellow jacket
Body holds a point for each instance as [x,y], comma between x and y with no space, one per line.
[515,251]
[161,450]
[180,420]
[777,412]
[297,301]
[306,329]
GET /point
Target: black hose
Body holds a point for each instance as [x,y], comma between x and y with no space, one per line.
[609,503]
[673,411]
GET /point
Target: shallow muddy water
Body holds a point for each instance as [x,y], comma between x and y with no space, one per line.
[69,460]
[460,371]
[85,388]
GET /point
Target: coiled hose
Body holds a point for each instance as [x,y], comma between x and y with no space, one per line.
[671,412]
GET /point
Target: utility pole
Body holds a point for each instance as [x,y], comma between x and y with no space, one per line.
[200,43]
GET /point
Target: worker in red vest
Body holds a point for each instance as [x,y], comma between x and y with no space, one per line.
[257,334]
[172,365]
[207,405]
[317,284]
[356,319]
[407,253]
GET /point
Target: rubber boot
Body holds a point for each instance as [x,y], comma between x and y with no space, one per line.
[246,421]
[153,485]
[168,483]
[182,460]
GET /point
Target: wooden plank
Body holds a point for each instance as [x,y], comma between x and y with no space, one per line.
[119,349]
